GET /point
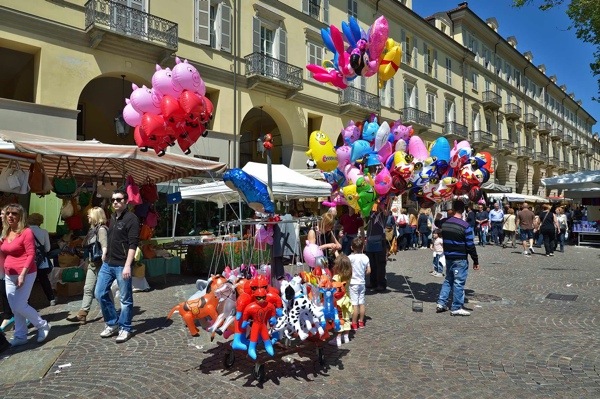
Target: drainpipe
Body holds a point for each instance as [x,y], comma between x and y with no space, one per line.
[464,89]
[498,133]
[236,26]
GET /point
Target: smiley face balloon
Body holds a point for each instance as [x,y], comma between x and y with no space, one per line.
[321,150]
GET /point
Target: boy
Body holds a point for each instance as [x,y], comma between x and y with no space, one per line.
[437,246]
[360,268]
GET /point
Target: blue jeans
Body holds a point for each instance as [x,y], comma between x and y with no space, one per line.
[106,276]
[496,232]
[425,240]
[483,235]
[456,277]
[436,264]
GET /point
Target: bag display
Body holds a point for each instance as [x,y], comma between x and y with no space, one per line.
[62,229]
[175,196]
[39,182]
[65,186]
[133,192]
[66,259]
[105,186]
[151,218]
[148,251]
[13,179]
[146,232]
[67,210]
[139,270]
[72,275]
[149,192]
[141,210]
[74,222]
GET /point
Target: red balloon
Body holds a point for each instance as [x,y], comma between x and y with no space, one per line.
[185,141]
[153,125]
[143,141]
[191,103]
[171,110]
[207,114]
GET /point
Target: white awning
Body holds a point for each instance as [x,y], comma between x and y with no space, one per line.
[574,181]
[514,197]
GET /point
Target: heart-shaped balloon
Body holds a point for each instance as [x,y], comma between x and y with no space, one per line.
[153,125]
[191,103]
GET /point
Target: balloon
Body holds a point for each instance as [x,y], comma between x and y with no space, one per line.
[321,151]
[399,185]
[254,192]
[378,36]
[417,148]
[360,148]
[352,173]
[351,31]
[400,132]
[369,130]
[162,82]
[131,116]
[154,125]
[343,57]
[440,149]
[358,57]
[385,152]
[381,137]
[402,164]
[172,112]
[350,133]
[336,199]
[488,161]
[389,61]
[459,154]
[188,139]
[383,181]
[366,196]
[343,153]
[144,142]
[207,113]
[351,196]
[312,254]
[144,99]
[191,103]
[336,177]
[328,75]
[187,77]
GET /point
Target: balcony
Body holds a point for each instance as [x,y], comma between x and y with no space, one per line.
[544,128]
[583,146]
[116,28]
[531,121]
[540,158]
[512,111]
[575,144]
[418,119]
[567,138]
[491,100]
[553,161]
[264,72]
[506,146]
[525,152]
[564,165]
[481,139]
[590,151]
[572,168]
[556,134]
[358,101]
[456,130]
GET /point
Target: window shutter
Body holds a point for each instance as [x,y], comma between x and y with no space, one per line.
[282,34]
[416,96]
[403,42]
[326,12]
[255,35]
[225,27]
[202,21]
[305,7]
[435,63]
[391,96]
[415,51]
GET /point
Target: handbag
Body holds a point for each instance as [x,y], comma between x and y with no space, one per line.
[39,182]
[67,210]
[65,186]
[148,251]
[149,191]
[151,218]
[141,210]
[13,179]
[146,232]
[74,222]
[133,192]
[175,196]
[105,186]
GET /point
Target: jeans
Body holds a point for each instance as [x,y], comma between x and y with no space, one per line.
[456,277]
[560,240]
[378,263]
[106,276]
[496,232]
[347,243]
[437,265]
[18,299]
[549,241]
[483,235]
[425,240]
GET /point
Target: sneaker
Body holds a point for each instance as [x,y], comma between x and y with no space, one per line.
[526,254]
[531,250]
[18,341]
[53,302]
[354,326]
[361,324]
[43,333]
[109,331]
[552,254]
[436,274]
[441,309]
[123,336]
[460,312]
[7,324]
[431,271]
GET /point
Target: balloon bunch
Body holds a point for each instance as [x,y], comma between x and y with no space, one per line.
[174,110]
[379,160]
[366,53]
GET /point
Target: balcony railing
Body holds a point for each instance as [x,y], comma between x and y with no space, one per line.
[590,151]
[491,99]
[575,144]
[455,129]
[525,152]
[544,128]
[540,157]
[482,138]
[531,120]
[563,165]
[556,134]
[128,21]
[274,69]
[416,117]
[360,98]
[554,160]
[512,111]
[567,138]
[506,146]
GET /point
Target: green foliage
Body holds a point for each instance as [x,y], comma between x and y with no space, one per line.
[585,18]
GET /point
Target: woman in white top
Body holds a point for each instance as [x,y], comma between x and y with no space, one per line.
[42,239]
[510,227]
[564,229]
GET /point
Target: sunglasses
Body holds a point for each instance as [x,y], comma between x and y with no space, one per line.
[12,213]
[118,199]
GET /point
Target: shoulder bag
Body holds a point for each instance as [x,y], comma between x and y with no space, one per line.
[39,182]
[149,191]
[105,186]
[175,196]
[133,191]
[65,185]
[13,179]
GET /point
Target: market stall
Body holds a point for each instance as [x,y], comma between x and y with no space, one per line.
[515,197]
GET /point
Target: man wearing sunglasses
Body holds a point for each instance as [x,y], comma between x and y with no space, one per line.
[123,238]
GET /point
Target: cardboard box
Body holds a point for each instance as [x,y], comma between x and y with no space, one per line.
[69,289]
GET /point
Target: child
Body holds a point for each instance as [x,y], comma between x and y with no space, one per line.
[439,261]
[342,269]
[360,268]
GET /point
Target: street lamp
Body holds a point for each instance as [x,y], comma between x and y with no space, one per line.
[121,127]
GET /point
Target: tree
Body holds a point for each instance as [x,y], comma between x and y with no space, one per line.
[585,18]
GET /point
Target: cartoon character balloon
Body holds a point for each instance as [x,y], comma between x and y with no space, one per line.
[321,150]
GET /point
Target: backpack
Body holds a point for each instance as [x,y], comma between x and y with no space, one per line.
[40,253]
[95,249]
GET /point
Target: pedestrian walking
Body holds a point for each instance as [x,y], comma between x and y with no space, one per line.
[375,249]
[525,222]
[548,227]
[42,243]
[482,218]
[496,216]
[563,224]
[360,269]
[123,238]
[424,227]
[458,242]
[8,318]
[439,261]
[509,227]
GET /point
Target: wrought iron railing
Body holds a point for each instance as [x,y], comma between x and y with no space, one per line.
[554,160]
[128,21]
[456,129]
[531,119]
[511,109]
[541,157]
[556,134]
[506,145]
[264,65]
[414,115]
[567,138]
[525,152]
[544,127]
[361,98]
[489,97]
[480,136]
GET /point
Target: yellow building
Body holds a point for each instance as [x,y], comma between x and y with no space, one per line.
[67,66]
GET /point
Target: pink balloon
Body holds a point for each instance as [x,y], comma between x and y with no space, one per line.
[131,116]
[352,174]
[351,133]
[385,152]
[311,252]
[417,148]
[383,181]
[343,155]
[187,77]
[162,82]
[144,99]
[378,34]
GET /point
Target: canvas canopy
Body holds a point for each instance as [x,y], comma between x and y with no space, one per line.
[514,197]
[579,181]
[287,185]
[93,158]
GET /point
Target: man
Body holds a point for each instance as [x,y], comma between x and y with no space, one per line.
[458,244]
[123,237]
[470,219]
[497,219]
[525,223]
[351,223]
[482,220]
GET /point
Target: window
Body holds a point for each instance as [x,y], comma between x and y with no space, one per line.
[487,57]
[517,77]
[448,71]
[476,120]
[431,105]
[508,72]
[318,9]
[449,110]
[407,49]
[353,8]
[386,93]
[314,55]
[428,59]
[126,21]
[411,96]
[499,66]
[488,123]
[488,85]
[269,39]
[474,79]
[509,131]
[213,24]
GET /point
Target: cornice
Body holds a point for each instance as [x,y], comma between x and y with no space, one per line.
[40,109]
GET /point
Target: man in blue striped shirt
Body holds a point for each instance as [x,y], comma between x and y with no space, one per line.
[459,242]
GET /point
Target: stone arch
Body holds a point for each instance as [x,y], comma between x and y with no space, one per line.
[502,169]
[521,176]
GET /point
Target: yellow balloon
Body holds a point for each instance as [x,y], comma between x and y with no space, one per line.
[389,61]
[351,196]
[321,150]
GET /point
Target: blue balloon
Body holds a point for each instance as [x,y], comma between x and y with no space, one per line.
[348,34]
[254,192]
[360,148]
[440,149]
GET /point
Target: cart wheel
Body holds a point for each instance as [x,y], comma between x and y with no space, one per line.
[229,359]
[321,356]
[259,372]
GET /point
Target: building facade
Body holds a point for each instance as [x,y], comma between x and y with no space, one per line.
[68,65]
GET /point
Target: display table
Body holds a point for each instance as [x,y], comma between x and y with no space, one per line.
[588,237]
[162,266]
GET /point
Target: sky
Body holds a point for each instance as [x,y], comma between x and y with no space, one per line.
[545,34]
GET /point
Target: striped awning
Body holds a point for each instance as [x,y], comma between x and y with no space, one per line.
[90,159]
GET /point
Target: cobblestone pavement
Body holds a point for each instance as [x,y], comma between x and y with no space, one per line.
[516,344]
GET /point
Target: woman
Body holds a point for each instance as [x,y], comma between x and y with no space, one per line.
[98,233]
[18,247]
[424,227]
[42,238]
[548,228]
[375,249]
[404,231]
[351,223]
[510,227]
[563,226]
[7,316]
[326,239]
